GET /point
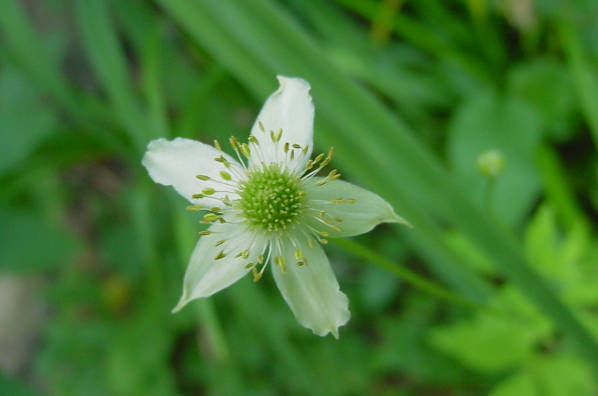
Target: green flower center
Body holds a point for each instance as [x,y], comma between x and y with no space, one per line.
[272,199]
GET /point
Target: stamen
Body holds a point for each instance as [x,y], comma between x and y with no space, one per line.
[223,160]
[256,275]
[220,255]
[281,262]
[220,242]
[245,150]
[244,254]
[194,208]
[203,177]
[259,123]
[208,191]
[225,175]
[205,232]
[217,145]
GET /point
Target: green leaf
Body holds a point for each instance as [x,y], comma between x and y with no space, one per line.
[109,62]
[495,341]
[488,122]
[24,121]
[28,243]
[546,85]
[549,376]
[583,71]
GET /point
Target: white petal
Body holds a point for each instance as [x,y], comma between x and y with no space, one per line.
[177,163]
[311,290]
[367,211]
[207,275]
[290,108]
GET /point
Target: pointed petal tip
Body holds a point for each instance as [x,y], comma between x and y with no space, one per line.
[180,305]
[400,220]
[334,332]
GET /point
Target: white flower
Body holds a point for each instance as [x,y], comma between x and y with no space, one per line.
[269,207]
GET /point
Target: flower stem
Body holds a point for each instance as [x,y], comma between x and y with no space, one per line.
[407,275]
[424,284]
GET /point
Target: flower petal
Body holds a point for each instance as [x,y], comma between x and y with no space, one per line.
[177,163]
[291,110]
[207,274]
[311,290]
[358,209]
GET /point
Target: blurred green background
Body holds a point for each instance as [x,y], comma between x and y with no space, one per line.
[494,291]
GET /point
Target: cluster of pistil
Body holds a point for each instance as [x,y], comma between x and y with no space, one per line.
[272,201]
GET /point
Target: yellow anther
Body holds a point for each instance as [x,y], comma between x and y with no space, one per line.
[330,153]
[286,147]
[215,209]
[210,217]
[319,158]
[203,177]
[281,262]
[252,139]
[233,142]
[324,233]
[279,134]
[220,255]
[249,265]
[305,149]
[297,146]
[310,243]
[205,232]
[260,259]
[208,191]
[309,164]
[292,155]
[259,123]
[217,145]
[244,254]
[323,241]
[322,213]
[225,175]
[350,200]
[298,254]
[338,219]
[220,242]
[245,150]
[194,208]
[256,275]
[197,196]
[223,161]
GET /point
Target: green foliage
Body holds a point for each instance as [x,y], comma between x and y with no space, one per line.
[493,291]
[520,341]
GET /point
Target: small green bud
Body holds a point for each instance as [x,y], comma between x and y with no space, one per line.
[491,163]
